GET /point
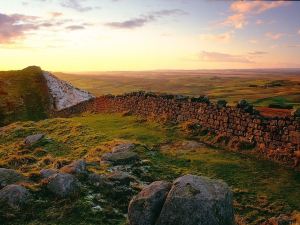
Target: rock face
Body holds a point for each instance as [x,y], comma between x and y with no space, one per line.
[76,167]
[63,185]
[144,208]
[32,139]
[64,95]
[192,200]
[14,196]
[9,176]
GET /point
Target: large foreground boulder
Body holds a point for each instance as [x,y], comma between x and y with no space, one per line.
[9,176]
[192,200]
[144,208]
[14,196]
[195,200]
[63,185]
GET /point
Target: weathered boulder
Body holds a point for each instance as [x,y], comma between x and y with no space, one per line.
[9,176]
[76,167]
[116,185]
[116,178]
[32,139]
[121,157]
[123,147]
[195,200]
[46,173]
[119,177]
[14,196]
[97,179]
[63,185]
[144,208]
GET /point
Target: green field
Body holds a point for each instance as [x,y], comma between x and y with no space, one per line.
[262,189]
[261,87]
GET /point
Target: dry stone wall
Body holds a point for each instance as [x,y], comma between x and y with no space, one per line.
[276,138]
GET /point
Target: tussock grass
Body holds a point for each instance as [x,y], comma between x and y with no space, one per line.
[262,189]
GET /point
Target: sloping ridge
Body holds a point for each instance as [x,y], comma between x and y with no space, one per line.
[33,94]
[64,94]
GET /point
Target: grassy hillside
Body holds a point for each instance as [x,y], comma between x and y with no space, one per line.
[262,189]
[260,87]
[23,95]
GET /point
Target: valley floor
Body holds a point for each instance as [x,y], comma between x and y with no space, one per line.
[262,189]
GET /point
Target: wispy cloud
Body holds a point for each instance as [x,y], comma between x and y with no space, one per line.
[299,31]
[144,19]
[259,22]
[242,9]
[222,37]
[75,27]
[15,26]
[274,36]
[76,5]
[223,57]
[253,41]
[257,53]
[56,14]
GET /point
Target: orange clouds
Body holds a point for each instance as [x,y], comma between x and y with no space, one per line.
[241,10]
[223,37]
[274,36]
[255,7]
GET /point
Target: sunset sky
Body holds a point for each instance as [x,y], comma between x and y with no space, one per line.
[100,35]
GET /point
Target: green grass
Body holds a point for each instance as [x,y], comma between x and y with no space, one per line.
[23,95]
[293,99]
[251,179]
[262,189]
[75,137]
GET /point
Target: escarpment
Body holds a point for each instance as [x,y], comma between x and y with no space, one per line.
[63,94]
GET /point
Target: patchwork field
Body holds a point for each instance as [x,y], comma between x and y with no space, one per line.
[278,89]
[262,189]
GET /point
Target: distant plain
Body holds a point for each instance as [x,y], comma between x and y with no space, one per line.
[260,87]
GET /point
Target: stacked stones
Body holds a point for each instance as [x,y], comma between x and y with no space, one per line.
[277,138]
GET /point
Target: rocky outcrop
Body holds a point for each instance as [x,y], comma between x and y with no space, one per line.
[64,95]
[32,139]
[9,176]
[77,167]
[63,185]
[14,196]
[120,157]
[46,173]
[123,147]
[192,200]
